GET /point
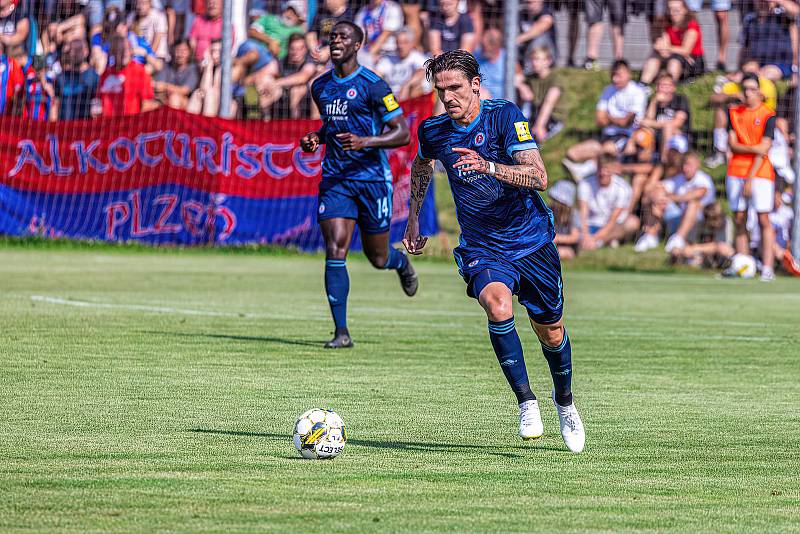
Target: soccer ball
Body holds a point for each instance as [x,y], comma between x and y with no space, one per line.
[743,265]
[319,434]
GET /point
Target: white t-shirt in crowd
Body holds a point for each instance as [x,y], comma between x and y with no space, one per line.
[388,16]
[618,103]
[679,185]
[153,24]
[397,71]
[781,220]
[603,201]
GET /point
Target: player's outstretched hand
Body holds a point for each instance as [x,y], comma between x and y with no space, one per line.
[310,143]
[351,141]
[470,160]
[414,242]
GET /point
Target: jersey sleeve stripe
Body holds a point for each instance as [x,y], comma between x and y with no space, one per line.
[521,146]
[392,114]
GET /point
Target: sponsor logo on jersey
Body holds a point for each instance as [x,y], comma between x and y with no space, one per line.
[352,93]
[390,102]
[337,110]
[480,139]
[523,131]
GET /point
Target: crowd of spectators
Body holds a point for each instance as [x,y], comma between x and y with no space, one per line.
[638,179]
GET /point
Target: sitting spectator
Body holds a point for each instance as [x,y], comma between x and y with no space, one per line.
[273,31]
[297,69]
[76,85]
[546,90]
[151,24]
[677,203]
[206,98]
[767,37]
[125,87]
[175,83]
[680,49]
[14,25]
[114,25]
[451,30]
[712,250]
[620,108]
[12,84]
[667,115]
[404,71]
[603,200]
[379,19]
[594,32]
[326,18]
[70,25]
[37,92]
[565,218]
[728,92]
[536,29]
[206,28]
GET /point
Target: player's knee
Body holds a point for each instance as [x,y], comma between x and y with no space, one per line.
[552,336]
[335,251]
[378,260]
[498,308]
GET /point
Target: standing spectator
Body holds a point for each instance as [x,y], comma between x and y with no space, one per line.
[297,69]
[37,92]
[451,30]
[603,199]
[721,9]
[404,71]
[175,83]
[536,28]
[151,24]
[379,19]
[566,219]
[667,115]
[326,18]
[115,25]
[12,83]
[14,25]
[617,12]
[492,60]
[751,178]
[76,85]
[680,49]
[125,87]
[620,108]
[546,88]
[573,9]
[178,13]
[206,28]
[767,37]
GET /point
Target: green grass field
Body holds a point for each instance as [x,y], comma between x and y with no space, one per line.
[157,392]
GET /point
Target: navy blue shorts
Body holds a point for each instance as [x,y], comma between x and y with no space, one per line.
[535,278]
[369,203]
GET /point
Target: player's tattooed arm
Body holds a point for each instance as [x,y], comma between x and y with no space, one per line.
[421,175]
[396,135]
[527,173]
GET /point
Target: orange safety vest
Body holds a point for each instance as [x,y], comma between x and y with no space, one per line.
[749,125]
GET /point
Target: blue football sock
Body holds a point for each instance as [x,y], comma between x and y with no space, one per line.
[396,260]
[337,286]
[560,361]
[508,349]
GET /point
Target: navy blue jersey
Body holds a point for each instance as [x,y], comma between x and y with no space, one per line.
[360,103]
[507,220]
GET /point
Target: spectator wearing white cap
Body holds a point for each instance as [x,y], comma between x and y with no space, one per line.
[565,218]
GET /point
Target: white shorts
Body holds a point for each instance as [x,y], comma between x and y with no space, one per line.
[762,194]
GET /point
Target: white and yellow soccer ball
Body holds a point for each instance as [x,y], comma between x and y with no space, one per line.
[319,434]
[743,265]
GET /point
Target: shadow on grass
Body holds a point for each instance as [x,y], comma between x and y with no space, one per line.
[396,445]
[261,339]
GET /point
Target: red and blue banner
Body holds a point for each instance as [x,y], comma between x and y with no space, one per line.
[168,177]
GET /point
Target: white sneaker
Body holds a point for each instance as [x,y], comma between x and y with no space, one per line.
[645,243]
[571,426]
[674,241]
[767,275]
[530,420]
[580,170]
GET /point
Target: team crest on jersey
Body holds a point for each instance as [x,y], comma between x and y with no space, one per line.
[390,102]
[473,263]
[523,131]
[480,139]
[758,122]
[352,93]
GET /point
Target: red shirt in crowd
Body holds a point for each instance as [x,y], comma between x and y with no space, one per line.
[122,91]
[676,36]
[12,81]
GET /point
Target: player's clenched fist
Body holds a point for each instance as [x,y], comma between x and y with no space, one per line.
[310,143]
[351,141]
[414,242]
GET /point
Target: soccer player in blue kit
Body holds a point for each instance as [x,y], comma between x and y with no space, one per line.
[360,117]
[506,247]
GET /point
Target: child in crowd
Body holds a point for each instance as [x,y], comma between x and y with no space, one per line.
[566,218]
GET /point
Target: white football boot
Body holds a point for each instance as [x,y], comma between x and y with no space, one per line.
[571,426]
[530,420]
